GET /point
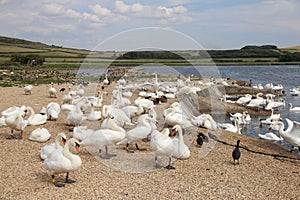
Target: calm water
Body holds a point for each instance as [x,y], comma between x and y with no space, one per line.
[288,76]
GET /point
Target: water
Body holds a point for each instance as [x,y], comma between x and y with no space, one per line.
[288,76]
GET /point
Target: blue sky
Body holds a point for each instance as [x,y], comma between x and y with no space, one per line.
[214,24]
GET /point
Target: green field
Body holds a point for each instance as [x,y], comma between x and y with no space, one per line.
[250,55]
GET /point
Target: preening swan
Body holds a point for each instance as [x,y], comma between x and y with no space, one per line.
[181,150]
[47,149]
[15,110]
[40,135]
[53,110]
[63,162]
[291,134]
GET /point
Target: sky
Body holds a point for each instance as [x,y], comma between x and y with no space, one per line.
[213,24]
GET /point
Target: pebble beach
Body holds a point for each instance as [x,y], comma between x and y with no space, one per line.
[211,176]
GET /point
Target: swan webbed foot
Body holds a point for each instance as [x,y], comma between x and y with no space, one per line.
[169,167]
[140,149]
[70,181]
[108,156]
[127,149]
[59,184]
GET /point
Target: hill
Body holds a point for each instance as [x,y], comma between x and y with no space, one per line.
[51,53]
[248,55]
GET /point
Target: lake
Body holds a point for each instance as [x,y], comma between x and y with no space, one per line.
[288,76]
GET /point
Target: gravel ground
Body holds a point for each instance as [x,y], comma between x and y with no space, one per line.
[208,174]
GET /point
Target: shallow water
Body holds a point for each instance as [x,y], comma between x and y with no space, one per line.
[288,76]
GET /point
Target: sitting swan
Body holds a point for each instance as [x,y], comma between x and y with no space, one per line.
[63,162]
[40,135]
[291,134]
[181,150]
[293,109]
[94,115]
[35,119]
[47,149]
[270,136]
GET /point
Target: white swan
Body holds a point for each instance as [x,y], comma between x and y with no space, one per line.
[47,149]
[15,110]
[132,111]
[181,150]
[291,134]
[162,145]
[137,133]
[67,98]
[81,132]
[63,162]
[105,137]
[119,115]
[270,136]
[293,109]
[275,104]
[232,128]
[75,116]
[35,119]
[53,110]
[259,101]
[204,120]
[40,135]
[244,100]
[106,81]
[243,118]
[94,115]
[52,91]
[174,118]
[27,89]
[15,122]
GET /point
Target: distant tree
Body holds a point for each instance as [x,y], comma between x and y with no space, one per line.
[30,59]
[289,57]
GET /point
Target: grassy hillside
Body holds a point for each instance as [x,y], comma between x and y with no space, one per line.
[248,55]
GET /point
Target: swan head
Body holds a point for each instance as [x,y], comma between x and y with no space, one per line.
[74,142]
[174,130]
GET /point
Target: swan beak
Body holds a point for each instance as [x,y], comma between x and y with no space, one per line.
[64,141]
[173,132]
[77,147]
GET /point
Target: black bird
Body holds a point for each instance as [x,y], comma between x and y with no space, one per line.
[236,154]
[201,138]
[62,89]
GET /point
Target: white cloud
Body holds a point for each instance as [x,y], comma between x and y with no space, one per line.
[100,11]
[165,15]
